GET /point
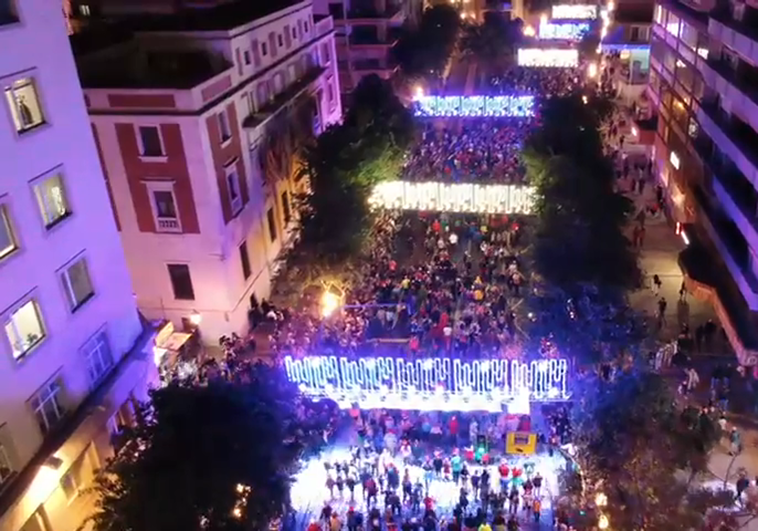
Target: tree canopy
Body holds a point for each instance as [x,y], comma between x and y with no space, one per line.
[217,457]
[636,447]
[343,165]
[423,52]
[493,42]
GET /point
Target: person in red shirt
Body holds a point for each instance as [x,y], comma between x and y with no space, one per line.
[428,503]
[503,469]
[314,526]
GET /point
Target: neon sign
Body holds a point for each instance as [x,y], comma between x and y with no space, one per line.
[548,58]
[567,31]
[574,12]
[453,197]
[465,106]
[440,384]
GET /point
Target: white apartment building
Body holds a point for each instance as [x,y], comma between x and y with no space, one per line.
[69,369]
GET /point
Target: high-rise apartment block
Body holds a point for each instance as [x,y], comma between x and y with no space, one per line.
[704,71]
[199,116]
[69,369]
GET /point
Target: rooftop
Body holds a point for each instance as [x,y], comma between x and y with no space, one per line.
[132,67]
[219,18]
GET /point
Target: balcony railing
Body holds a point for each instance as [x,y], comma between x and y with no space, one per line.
[367,39]
[281,100]
[169,225]
[722,68]
[748,26]
[373,14]
[370,64]
[744,153]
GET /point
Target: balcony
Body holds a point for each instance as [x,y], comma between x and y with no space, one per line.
[737,88]
[736,143]
[371,40]
[731,246]
[369,15]
[371,65]
[740,35]
[281,100]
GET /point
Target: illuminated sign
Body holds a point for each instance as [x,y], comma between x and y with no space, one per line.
[454,197]
[574,12]
[548,58]
[567,31]
[434,384]
[515,106]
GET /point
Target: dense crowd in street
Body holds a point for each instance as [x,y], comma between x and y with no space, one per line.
[470,150]
[540,81]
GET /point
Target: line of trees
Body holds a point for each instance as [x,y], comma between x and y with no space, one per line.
[633,443]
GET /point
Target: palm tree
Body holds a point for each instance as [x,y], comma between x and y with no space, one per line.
[492,43]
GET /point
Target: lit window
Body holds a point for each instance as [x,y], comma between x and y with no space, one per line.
[674,160]
[6,469]
[47,406]
[223,126]
[97,352]
[84,10]
[24,329]
[51,200]
[7,238]
[703,52]
[77,284]
[151,143]
[233,189]
[24,105]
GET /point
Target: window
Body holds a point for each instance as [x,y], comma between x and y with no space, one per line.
[7,238]
[294,33]
[77,284]
[693,128]
[7,16]
[51,199]
[286,207]
[164,207]
[306,26]
[659,14]
[47,406]
[151,143]
[24,328]
[330,91]
[84,10]
[271,224]
[181,282]
[24,104]
[264,49]
[280,40]
[233,189]
[325,53]
[6,469]
[245,261]
[97,353]
[246,55]
[223,126]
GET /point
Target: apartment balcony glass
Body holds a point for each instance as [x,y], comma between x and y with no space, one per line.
[741,19]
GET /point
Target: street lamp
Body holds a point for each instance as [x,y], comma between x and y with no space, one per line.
[329,304]
[592,70]
[195,318]
[603,522]
[601,500]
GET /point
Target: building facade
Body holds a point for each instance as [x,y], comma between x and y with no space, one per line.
[366,31]
[198,118]
[70,365]
[704,69]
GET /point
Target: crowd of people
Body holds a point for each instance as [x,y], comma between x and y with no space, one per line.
[539,81]
[474,150]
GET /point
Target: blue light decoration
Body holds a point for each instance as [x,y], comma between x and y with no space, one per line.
[472,106]
[567,31]
[433,384]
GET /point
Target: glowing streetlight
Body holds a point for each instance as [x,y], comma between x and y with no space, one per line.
[529,31]
[603,522]
[611,6]
[330,302]
[543,18]
[585,100]
[601,500]
[195,318]
[419,91]
[592,70]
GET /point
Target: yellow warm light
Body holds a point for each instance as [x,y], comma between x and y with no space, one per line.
[601,500]
[419,90]
[602,522]
[329,303]
[584,100]
[592,70]
[611,5]
[42,486]
[529,31]
[543,18]
[196,318]
[237,512]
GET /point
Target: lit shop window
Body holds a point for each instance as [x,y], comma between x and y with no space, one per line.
[51,200]
[24,105]
[24,329]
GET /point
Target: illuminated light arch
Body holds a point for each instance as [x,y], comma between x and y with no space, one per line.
[472,106]
[568,31]
[574,12]
[433,384]
[454,197]
[548,57]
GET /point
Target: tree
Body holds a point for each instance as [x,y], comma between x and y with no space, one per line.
[581,218]
[218,457]
[633,445]
[344,164]
[424,52]
[493,42]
